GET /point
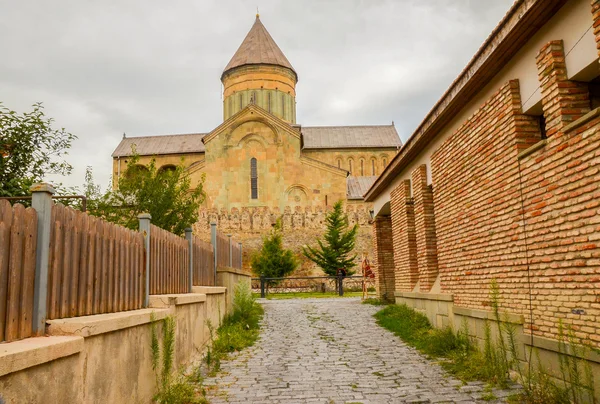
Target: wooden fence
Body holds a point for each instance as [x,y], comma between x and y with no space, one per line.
[204,263]
[94,266]
[169,262]
[236,255]
[18,239]
[222,250]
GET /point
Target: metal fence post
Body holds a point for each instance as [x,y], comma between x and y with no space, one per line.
[41,201]
[213,240]
[189,238]
[230,252]
[262,286]
[144,219]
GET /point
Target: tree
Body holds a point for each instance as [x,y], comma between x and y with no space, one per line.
[165,194]
[334,252]
[273,261]
[30,149]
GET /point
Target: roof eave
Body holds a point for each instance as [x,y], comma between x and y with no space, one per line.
[514,30]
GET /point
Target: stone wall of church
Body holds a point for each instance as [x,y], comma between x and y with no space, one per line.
[360,162]
[301,226]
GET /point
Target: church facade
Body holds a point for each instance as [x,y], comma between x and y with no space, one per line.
[260,164]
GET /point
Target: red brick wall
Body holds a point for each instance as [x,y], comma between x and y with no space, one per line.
[477,204]
[383,263]
[564,101]
[405,242]
[424,229]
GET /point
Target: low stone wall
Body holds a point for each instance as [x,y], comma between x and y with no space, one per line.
[441,312]
[106,357]
[229,278]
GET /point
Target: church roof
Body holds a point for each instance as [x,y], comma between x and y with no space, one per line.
[165,144]
[339,137]
[358,186]
[258,48]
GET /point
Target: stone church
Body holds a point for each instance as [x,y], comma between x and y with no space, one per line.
[260,163]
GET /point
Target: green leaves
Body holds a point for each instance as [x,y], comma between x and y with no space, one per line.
[165,194]
[273,261]
[30,148]
[335,251]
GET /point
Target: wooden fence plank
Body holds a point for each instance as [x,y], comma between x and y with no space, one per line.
[91,261]
[83,265]
[75,256]
[67,267]
[111,270]
[56,265]
[4,260]
[28,275]
[14,274]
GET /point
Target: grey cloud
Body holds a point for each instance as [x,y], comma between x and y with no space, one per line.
[153,67]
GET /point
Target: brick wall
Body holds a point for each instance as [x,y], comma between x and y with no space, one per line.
[425,236]
[383,258]
[405,242]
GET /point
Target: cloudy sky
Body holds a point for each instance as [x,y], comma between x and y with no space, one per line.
[150,67]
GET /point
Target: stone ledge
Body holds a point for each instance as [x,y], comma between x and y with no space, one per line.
[487,315]
[553,346]
[86,326]
[593,114]
[443,297]
[236,271]
[165,301]
[209,290]
[532,149]
[29,352]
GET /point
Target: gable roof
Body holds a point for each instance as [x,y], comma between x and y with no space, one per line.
[164,144]
[358,186]
[258,48]
[339,137]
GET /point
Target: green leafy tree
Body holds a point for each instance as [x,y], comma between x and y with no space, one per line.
[30,149]
[165,194]
[335,251]
[274,261]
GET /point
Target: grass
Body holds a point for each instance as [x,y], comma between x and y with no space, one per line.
[306,295]
[238,330]
[460,357]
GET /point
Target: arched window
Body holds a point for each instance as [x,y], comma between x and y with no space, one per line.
[339,161]
[373,172]
[253,179]
[350,166]
[384,162]
[269,102]
[362,167]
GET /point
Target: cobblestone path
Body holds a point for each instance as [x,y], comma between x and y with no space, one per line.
[332,351]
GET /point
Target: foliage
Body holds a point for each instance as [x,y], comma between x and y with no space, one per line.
[375,301]
[30,149]
[500,354]
[238,330]
[165,194]
[335,251]
[274,261]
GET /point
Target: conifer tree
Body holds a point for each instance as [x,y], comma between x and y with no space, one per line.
[335,251]
[274,261]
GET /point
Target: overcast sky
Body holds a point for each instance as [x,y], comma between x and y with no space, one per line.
[150,67]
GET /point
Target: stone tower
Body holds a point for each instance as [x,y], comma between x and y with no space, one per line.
[260,73]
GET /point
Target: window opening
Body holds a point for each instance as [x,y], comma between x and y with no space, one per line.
[253,179]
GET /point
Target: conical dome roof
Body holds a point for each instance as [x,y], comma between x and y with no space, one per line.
[258,48]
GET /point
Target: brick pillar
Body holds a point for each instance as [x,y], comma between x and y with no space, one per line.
[424,229]
[383,262]
[563,101]
[405,241]
[596,18]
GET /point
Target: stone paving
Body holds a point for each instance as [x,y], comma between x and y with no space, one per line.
[332,351]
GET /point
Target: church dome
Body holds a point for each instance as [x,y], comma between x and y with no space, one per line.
[259,73]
